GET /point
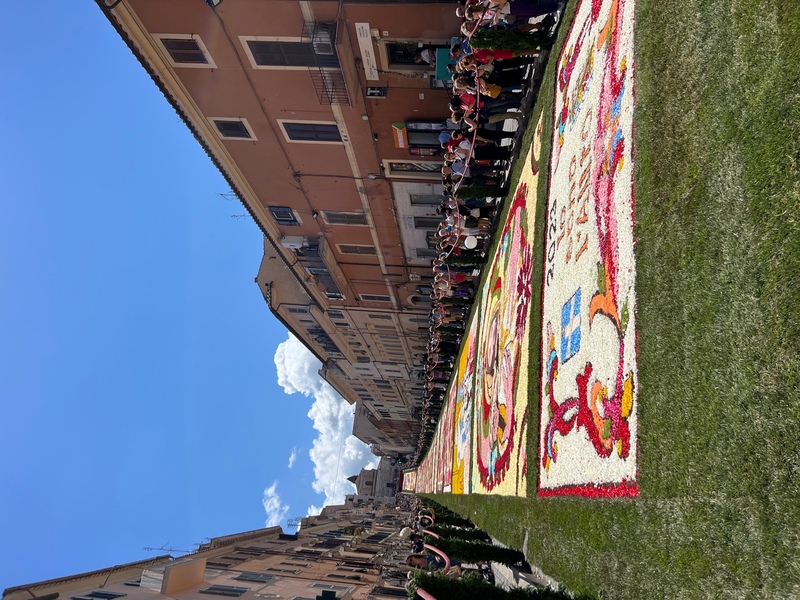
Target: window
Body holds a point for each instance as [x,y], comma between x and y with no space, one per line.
[427,222]
[186,50]
[335,217]
[338,576]
[383,317]
[225,590]
[387,591]
[254,576]
[404,53]
[329,586]
[99,595]
[426,253]
[284,216]
[423,136]
[233,129]
[298,311]
[427,199]
[299,54]
[409,55]
[275,570]
[336,314]
[412,169]
[375,298]
[357,249]
[255,550]
[309,131]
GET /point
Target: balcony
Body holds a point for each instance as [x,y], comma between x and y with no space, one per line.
[326,75]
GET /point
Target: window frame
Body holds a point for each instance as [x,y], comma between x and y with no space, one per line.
[254,577]
[427,223]
[160,37]
[330,586]
[431,174]
[213,121]
[99,594]
[281,123]
[426,199]
[296,222]
[340,248]
[422,68]
[374,297]
[346,215]
[233,591]
[244,39]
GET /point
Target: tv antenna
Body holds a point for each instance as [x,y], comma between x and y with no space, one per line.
[294,523]
[168,549]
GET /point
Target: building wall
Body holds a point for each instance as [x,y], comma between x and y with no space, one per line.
[345,265]
[339,551]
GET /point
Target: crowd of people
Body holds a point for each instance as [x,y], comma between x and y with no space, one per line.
[493,62]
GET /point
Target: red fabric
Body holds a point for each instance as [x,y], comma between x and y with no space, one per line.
[468,101]
[485,55]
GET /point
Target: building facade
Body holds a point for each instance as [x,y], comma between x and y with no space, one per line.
[346,552]
[378,484]
[323,117]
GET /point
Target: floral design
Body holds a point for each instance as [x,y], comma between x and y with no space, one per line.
[465,390]
[486,432]
[504,325]
[588,423]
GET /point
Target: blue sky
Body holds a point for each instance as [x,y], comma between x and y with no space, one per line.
[139,398]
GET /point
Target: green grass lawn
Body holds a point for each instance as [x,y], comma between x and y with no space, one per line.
[717,175]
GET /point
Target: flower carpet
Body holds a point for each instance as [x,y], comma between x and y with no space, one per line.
[479,444]
[588,387]
[588,424]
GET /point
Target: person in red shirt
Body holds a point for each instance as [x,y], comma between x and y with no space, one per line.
[486,56]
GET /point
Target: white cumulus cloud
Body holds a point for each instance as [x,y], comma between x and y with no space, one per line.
[314,511]
[336,453]
[275,509]
[292,457]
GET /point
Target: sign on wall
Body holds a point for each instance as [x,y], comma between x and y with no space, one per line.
[367,51]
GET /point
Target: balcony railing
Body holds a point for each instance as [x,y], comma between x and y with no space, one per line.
[326,75]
